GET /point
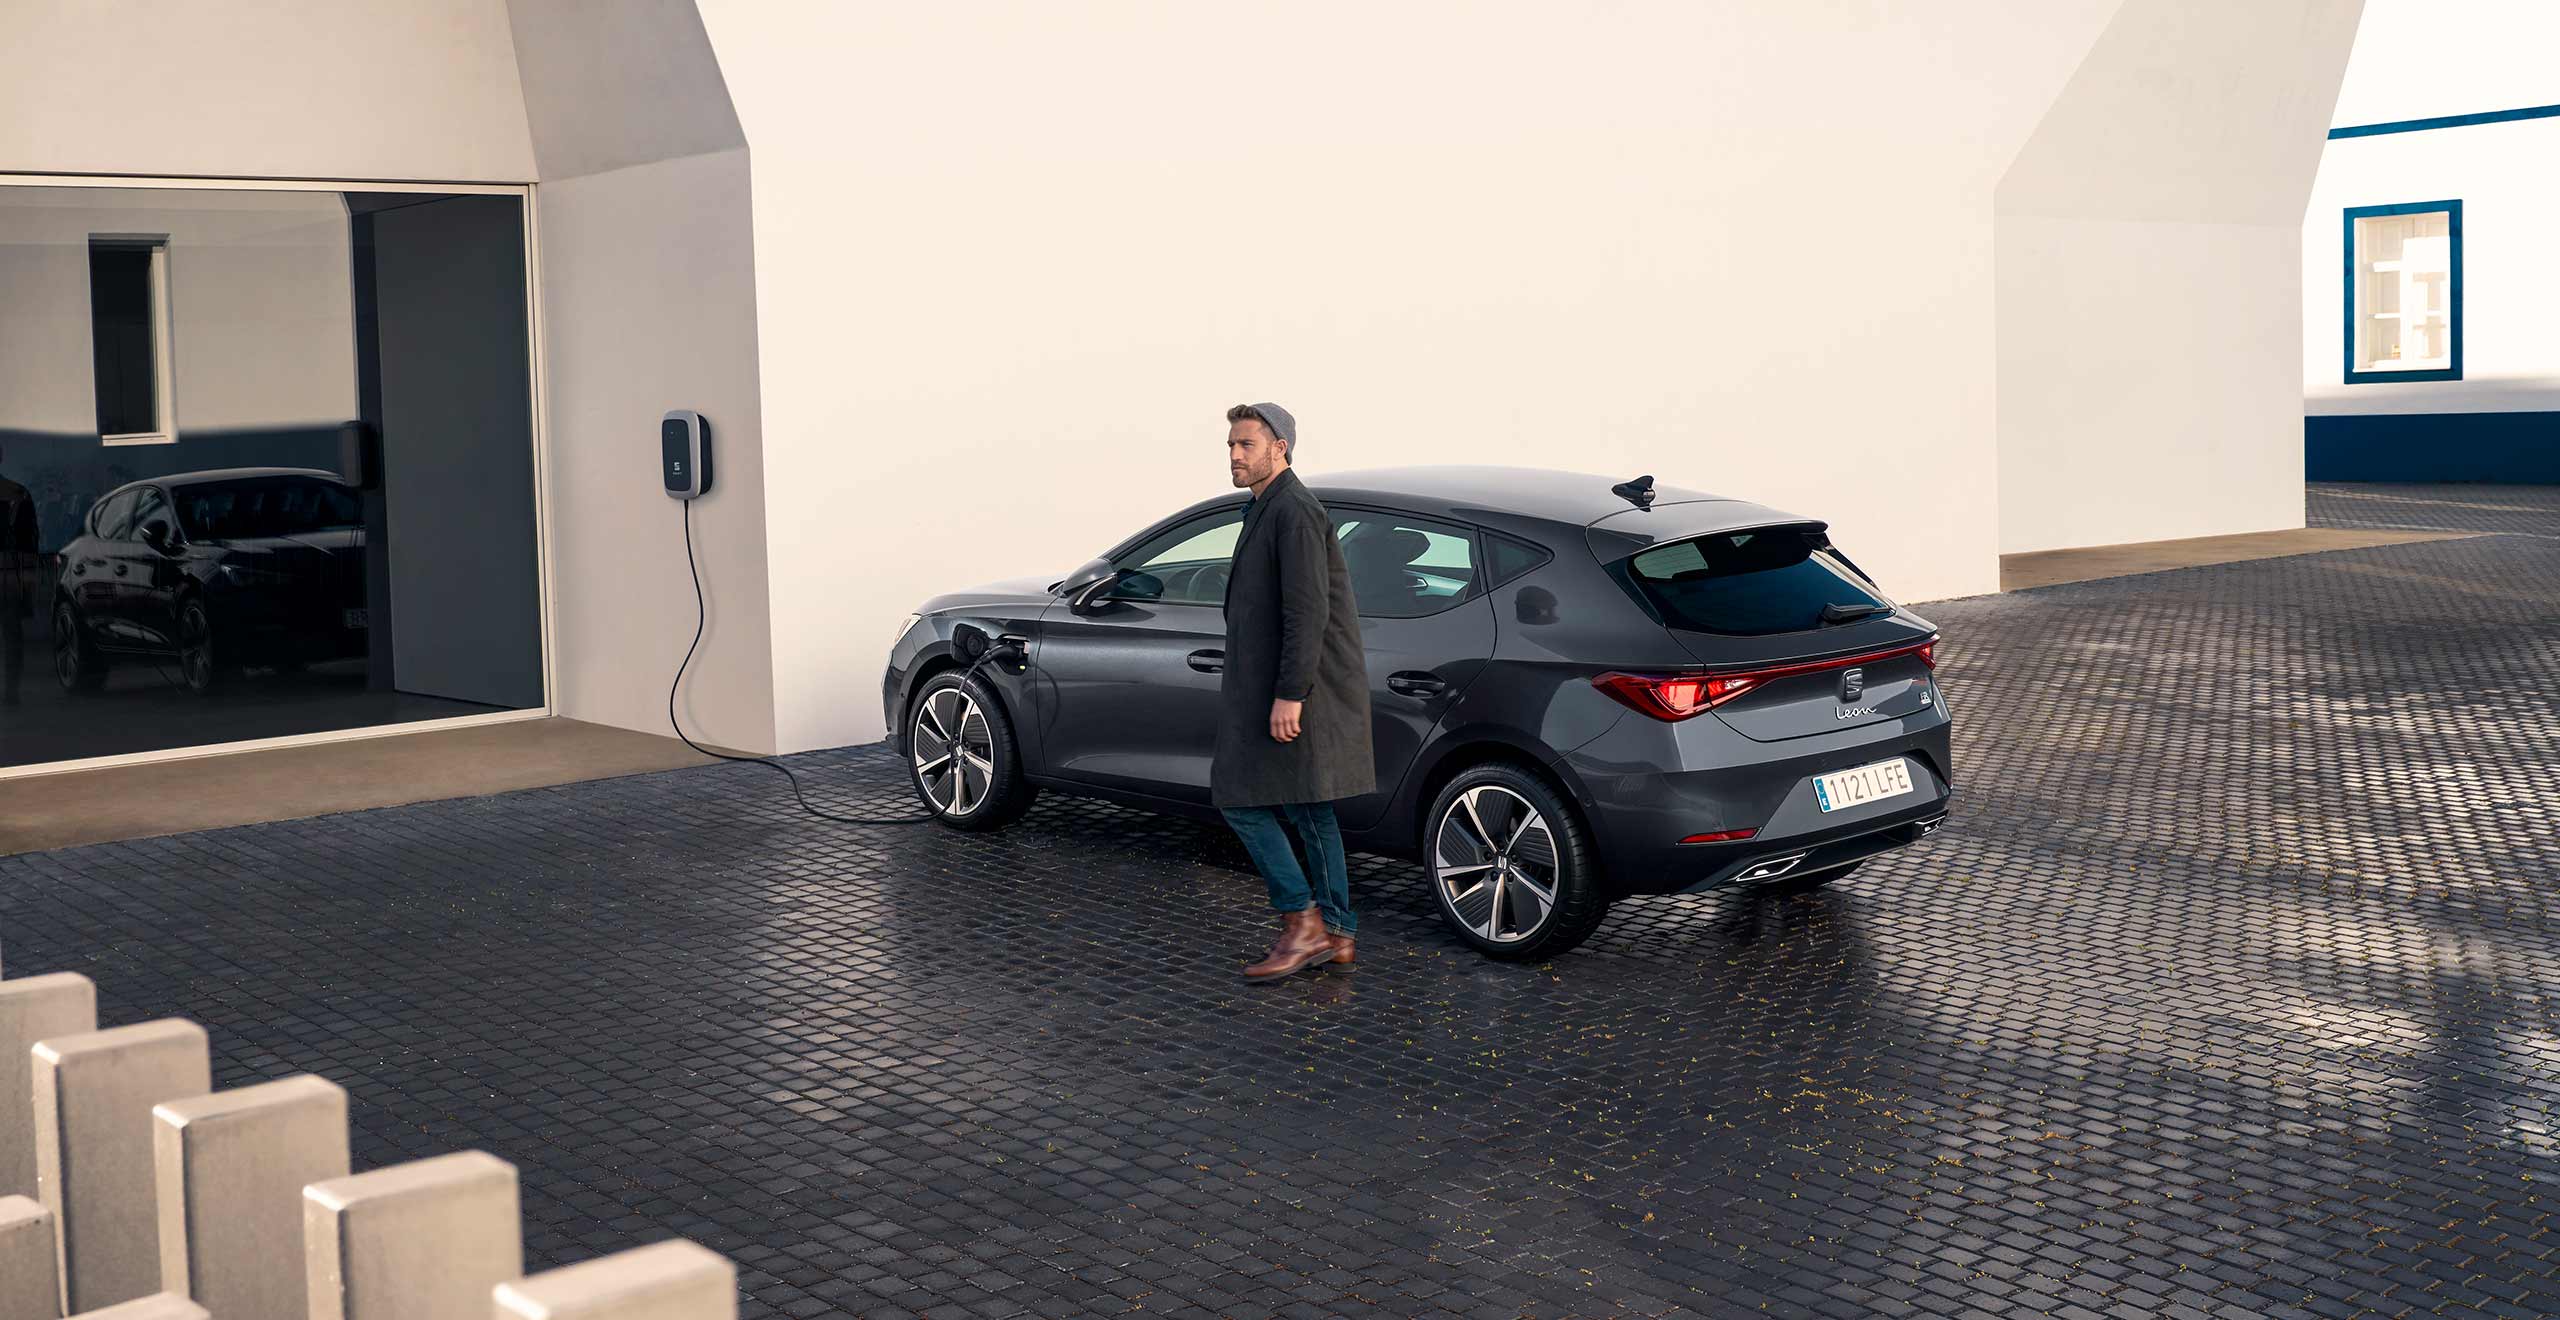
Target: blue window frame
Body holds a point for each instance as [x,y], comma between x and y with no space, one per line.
[2403,288]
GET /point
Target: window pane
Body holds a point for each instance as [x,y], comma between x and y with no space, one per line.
[1189,562]
[1746,583]
[1403,568]
[115,517]
[299,313]
[120,329]
[2404,292]
[1194,543]
[149,506]
[1509,559]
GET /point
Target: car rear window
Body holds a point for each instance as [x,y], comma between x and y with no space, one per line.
[1747,583]
[256,507]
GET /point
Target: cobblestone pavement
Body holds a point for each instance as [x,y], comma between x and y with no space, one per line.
[2518,510]
[2230,991]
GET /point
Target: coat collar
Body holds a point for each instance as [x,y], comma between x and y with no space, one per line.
[1286,481]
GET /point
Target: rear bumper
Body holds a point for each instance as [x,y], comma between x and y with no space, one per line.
[1754,860]
[1645,786]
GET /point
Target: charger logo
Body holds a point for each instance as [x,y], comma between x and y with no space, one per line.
[1853,712]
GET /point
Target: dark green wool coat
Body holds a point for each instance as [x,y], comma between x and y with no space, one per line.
[1293,631]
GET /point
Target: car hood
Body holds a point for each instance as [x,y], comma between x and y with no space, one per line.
[1027,591]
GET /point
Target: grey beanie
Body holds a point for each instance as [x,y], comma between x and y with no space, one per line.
[1274,416]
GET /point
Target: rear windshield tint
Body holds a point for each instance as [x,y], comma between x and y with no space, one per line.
[1754,583]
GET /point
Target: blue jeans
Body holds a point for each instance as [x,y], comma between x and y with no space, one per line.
[1259,827]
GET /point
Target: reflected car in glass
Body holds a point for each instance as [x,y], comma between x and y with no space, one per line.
[202,573]
[1581,689]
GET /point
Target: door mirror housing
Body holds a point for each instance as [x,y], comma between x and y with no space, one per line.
[160,536]
[1120,584]
[1094,595]
[1086,575]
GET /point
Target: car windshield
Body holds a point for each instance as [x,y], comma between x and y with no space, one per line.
[1748,583]
[254,507]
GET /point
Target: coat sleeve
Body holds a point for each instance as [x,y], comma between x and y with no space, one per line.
[1305,594]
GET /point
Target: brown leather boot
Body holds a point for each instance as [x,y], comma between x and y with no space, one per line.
[1342,954]
[1302,944]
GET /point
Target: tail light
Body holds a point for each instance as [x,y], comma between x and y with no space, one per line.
[1720,836]
[1679,696]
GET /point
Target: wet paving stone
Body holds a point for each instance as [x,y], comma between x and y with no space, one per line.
[2233,989]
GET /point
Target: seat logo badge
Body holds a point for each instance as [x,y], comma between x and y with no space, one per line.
[1853,712]
[1853,684]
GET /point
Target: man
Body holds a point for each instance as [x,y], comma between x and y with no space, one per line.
[1293,718]
[17,582]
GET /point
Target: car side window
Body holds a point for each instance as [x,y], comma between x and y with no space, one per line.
[1506,558]
[114,518]
[1404,567]
[151,507]
[1185,564]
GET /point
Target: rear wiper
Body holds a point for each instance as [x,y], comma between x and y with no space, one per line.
[1850,613]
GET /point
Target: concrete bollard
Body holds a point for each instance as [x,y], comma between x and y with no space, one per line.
[426,1240]
[232,1166]
[157,1306]
[94,1095]
[34,1009]
[30,1286]
[670,1281]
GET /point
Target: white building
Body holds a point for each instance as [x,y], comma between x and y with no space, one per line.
[965,289]
[2429,351]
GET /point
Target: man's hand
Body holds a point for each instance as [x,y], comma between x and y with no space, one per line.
[1284,720]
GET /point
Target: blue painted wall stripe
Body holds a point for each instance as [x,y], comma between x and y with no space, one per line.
[2447,121]
[2516,448]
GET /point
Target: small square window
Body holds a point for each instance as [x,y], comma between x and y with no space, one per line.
[129,339]
[2404,292]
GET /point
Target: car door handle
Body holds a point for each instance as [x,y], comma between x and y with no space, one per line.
[1415,683]
[1207,662]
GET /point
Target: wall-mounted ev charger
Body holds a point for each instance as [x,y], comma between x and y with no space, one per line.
[684,464]
[684,454]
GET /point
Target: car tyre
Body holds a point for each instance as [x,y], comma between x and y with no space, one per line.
[199,664]
[982,787]
[1511,866]
[76,663]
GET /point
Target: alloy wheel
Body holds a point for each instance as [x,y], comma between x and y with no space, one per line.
[954,752]
[195,647]
[1495,861]
[67,668]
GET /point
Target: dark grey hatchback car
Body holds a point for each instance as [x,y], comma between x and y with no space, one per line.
[1582,689]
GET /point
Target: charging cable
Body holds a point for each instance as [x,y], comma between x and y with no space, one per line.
[701,618]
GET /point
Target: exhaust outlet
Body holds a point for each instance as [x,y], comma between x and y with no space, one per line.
[1771,869]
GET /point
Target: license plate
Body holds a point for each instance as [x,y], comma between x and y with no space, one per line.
[1860,785]
[357,619]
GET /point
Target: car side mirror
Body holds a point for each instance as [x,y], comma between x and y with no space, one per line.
[1120,584]
[1085,576]
[1093,597]
[158,536]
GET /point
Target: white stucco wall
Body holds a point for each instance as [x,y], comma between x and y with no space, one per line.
[2149,315]
[345,89]
[261,312]
[1010,262]
[648,303]
[1013,260]
[2416,60]
[648,279]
